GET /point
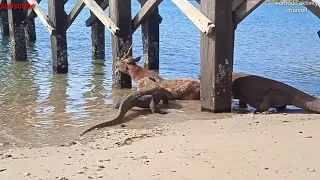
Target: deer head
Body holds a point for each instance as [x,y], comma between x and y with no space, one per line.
[123,63]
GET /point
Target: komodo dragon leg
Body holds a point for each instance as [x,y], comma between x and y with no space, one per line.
[265,105]
[154,109]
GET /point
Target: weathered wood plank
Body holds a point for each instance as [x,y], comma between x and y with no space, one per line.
[18,42]
[201,21]
[92,17]
[98,38]
[150,40]
[58,40]
[29,26]
[120,13]
[4,20]
[75,12]
[245,9]
[31,12]
[43,17]
[142,2]
[101,15]
[217,57]
[144,12]
[236,4]
[314,9]
[30,30]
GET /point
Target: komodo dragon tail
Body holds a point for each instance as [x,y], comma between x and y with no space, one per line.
[306,102]
[125,106]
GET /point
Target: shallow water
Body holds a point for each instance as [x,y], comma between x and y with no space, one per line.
[38,107]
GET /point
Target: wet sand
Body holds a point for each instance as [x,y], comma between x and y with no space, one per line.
[187,144]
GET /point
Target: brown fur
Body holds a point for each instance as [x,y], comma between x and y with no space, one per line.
[182,88]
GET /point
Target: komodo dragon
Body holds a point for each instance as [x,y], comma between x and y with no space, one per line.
[143,99]
[263,93]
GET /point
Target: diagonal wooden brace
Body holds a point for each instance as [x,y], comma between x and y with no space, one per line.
[74,12]
[200,20]
[142,2]
[245,9]
[31,13]
[92,18]
[43,17]
[315,8]
[102,16]
[144,13]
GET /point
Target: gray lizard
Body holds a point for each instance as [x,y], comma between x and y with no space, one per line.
[263,93]
[143,99]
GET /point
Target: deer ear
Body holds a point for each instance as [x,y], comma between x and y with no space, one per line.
[137,59]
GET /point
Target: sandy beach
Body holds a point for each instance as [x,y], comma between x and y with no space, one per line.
[198,146]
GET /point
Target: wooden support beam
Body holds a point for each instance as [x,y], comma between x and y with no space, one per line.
[58,40]
[201,21]
[98,37]
[4,20]
[150,40]
[314,9]
[31,12]
[144,13]
[245,9]
[142,2]
[92,17]
[217,57]
[120,13]
[75,12]
[30,29]
[15,19]
[43,17]
[29,26]
[236,4]
[16,29]
[96,9]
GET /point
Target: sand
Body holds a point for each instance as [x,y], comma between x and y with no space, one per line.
[264,147]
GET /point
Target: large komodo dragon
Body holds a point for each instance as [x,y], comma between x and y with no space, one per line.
[263,93]
[143,99]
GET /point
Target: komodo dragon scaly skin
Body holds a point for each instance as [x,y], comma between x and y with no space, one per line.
[263,93]
[143,99]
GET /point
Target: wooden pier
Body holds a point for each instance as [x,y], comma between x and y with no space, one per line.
[216,20]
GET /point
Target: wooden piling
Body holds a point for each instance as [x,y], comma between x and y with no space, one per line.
[98,37]
[4,20]
[120,14]
[59,39]
[29,26]
[150,40]
[18,42]
[217,57]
